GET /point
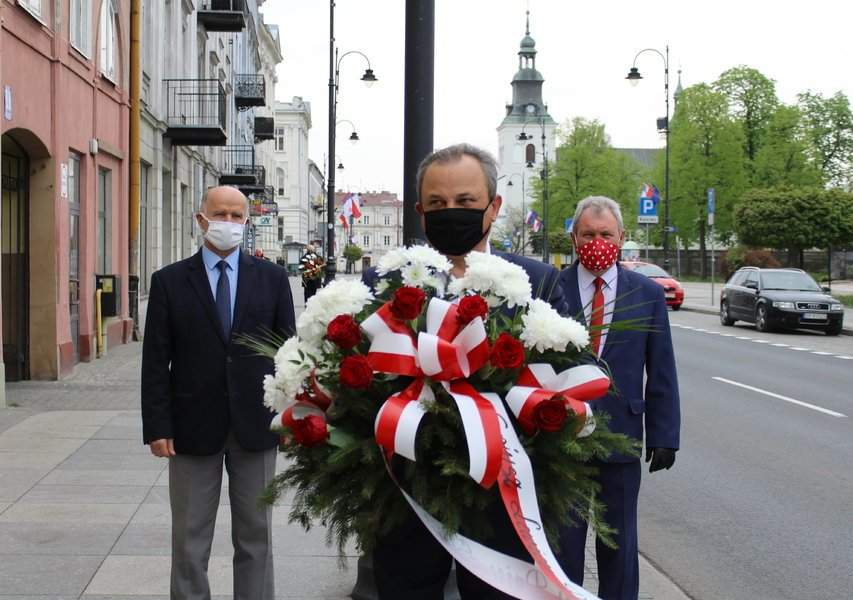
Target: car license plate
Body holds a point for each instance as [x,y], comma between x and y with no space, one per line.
[671,295]
[814,317]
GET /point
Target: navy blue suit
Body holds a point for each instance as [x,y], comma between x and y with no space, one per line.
[195,383]
[631,356]
[409,563]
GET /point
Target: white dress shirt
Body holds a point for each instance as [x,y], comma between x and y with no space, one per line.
[586,287]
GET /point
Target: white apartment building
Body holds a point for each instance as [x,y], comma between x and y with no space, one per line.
[377,231]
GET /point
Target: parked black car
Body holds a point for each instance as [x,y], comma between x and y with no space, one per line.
[779,298]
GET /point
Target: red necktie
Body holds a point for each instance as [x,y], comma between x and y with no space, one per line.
[596,318]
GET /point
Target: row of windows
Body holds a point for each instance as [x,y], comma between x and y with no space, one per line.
[365,220]
[80,30]
[365,240]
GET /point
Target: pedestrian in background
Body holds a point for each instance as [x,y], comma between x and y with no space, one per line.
[311,268]
[642,364]
[202,396]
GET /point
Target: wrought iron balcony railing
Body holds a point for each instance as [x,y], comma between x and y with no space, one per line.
[195,112]
[264,129]
[249,90]
[239,169]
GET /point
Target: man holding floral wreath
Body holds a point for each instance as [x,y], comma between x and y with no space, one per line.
[642,363]
[311,268]
[457,204]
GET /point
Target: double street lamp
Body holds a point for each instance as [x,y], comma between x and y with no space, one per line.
[334,76]
[634,78]
[543,174]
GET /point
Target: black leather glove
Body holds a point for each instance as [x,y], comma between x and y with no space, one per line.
[661,458]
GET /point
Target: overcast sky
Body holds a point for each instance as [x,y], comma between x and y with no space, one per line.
[585,49]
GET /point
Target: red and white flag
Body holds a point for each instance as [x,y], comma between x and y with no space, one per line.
[350,206]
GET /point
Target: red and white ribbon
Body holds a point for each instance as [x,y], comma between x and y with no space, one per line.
[541,580]
[295,412]
[539,382]
[448,353]
[398,419]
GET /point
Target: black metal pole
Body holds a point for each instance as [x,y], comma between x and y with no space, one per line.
[331,262]
[666,167]
[545,257]
[418,105]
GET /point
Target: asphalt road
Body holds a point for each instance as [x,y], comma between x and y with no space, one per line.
[759,504]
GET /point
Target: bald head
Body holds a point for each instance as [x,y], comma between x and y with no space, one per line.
[309,248]
[223,195]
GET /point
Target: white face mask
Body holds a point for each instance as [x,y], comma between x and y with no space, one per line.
[222,234]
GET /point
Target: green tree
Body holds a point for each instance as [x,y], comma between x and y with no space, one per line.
[783,159]
[752,102]
[587,165]
[828,125]
[706,151]
[795,218]
[510,228]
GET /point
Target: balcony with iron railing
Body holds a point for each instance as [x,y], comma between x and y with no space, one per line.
[222,15]
[196,111]
[264,129]
[249,90]
[240,169]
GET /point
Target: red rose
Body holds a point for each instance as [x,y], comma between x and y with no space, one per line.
[344,332]
[549,414]
[408,303]
[310,430]
[471,307]
[356,372]
[507,353]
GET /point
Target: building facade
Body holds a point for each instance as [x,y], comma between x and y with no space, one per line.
[64,181]
[377,231]
[206,75]
[526,136]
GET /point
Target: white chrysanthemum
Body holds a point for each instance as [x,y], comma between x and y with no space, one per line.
[293,364]
[422,257]
[497,280]
[415,274]
[340,297]
[544,329]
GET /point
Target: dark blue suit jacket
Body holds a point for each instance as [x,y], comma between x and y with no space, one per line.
[633,354]
[195,383]
[543,279]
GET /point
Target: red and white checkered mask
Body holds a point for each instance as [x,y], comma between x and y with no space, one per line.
[598,255]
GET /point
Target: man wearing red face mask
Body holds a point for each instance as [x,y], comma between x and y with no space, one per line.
[642,362]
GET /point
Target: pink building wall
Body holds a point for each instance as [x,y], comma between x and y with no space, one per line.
[60,103]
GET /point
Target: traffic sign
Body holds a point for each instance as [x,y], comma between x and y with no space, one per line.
[648,211]
[569,226]
[507,243]
[711,194]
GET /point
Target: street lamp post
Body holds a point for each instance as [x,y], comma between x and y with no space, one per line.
[634,78]
[509,184]
[544,176]
[334,76]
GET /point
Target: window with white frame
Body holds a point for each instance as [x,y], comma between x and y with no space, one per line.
[386,219]
[386,240]
[31,6]
[80,25]
[279,181]
[365,219]
[108,40]
[279,139]
[366,241]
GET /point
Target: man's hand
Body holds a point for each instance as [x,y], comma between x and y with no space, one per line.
[163,448]
[661,458]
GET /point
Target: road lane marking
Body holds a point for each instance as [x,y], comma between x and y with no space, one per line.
[780,397]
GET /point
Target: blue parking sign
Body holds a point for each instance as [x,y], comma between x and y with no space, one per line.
[648,212]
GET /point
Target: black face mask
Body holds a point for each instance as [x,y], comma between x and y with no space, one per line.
[455,231]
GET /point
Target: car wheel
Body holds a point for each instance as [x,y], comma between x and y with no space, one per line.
[725,319]
[676,307]
[761,323]
[833,330]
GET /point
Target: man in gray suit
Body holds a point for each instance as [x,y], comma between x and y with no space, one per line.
[202,396]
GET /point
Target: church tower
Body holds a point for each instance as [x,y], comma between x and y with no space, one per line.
[521,160]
